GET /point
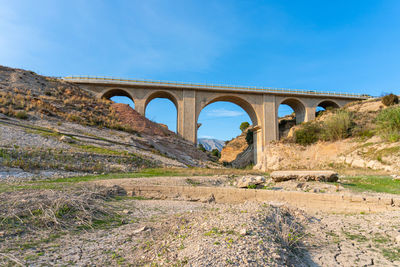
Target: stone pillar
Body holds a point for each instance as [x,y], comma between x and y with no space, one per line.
[268,130]
[140,106]
[187,116]
[310,113]
[270,119]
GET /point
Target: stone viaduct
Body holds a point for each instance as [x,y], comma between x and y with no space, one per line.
[261,104]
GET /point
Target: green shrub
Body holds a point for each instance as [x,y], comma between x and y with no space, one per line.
[338,126]
[201,148]
[390,100]
[249,137]
[307,134]
[388,124]
[215,152]
[244,126]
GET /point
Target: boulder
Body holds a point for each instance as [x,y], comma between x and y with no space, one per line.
[323,176]
[67,139]
[246,181]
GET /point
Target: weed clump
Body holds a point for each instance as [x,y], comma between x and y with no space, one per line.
[388,124]
[337,126]
[307,134]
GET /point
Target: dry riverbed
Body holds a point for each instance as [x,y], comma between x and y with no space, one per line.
[123,230]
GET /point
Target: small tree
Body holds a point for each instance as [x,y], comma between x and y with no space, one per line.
[390,99]
[215,152]
[249,137]
[244,126]
[202,148]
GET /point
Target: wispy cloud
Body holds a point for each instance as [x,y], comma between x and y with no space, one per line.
[207,137]
[221,112]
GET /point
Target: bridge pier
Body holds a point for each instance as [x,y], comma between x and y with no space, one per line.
[140,106]
[187,122]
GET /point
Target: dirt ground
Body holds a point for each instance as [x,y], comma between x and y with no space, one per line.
[165,233]
[193,233]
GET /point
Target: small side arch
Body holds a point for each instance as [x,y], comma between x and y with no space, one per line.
[327,103]
[298,107]
[161,94]
[117,92]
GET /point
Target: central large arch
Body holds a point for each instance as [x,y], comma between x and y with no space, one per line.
[241,102]
[245,105]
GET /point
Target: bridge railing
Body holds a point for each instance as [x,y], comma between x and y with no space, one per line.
[213,86]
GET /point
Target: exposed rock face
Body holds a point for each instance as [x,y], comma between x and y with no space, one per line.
[285,124]
[323,176]
[373,154]
[130,117]
[232,149]
[245,158]
[246,181]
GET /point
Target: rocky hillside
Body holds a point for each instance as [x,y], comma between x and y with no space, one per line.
[53,127]
[210,144]
[364,134]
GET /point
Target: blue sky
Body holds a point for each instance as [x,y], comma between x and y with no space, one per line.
[316,45]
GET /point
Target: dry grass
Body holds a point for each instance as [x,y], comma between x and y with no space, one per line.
[36,210]
[286,228]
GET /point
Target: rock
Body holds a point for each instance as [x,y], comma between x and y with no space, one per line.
[243,232]
[209,199]
[67,139]
[126,212]
[246,181]
[141,229]
[398,239]
[324,176]
[395,177]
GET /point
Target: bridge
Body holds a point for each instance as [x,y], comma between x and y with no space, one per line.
[260,103]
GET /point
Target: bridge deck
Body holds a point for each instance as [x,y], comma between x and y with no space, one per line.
[110,80]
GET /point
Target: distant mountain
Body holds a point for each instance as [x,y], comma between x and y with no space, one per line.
[210,144]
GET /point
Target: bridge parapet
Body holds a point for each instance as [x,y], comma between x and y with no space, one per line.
[199,86]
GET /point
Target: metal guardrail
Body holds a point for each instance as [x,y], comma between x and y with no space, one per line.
[211,86]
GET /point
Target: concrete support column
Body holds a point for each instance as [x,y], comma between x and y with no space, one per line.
[268,130]
[140,106]
[270,119]
[187,116]
[310,114]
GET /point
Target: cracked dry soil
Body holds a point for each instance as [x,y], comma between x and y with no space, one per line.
[178,233]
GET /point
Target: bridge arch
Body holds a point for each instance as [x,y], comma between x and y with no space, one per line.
[327,103]
[164,95]
[161,94]
[117,92]
[298,106]
[241,102]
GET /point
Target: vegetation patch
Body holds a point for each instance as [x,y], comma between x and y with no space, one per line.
[388,124]
[381,184]
[337,126]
